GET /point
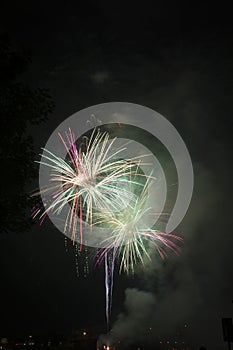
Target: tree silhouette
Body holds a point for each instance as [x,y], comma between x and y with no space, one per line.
[20,107]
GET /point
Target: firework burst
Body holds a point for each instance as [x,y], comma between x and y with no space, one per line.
[103,190]
[130,235]
[96,180]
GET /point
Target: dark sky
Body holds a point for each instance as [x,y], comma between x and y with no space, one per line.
[178,60]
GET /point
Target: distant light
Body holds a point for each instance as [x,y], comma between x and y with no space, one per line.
[108,348]
[30,336]
[84,333]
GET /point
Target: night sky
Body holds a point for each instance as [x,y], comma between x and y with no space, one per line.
[178,60]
